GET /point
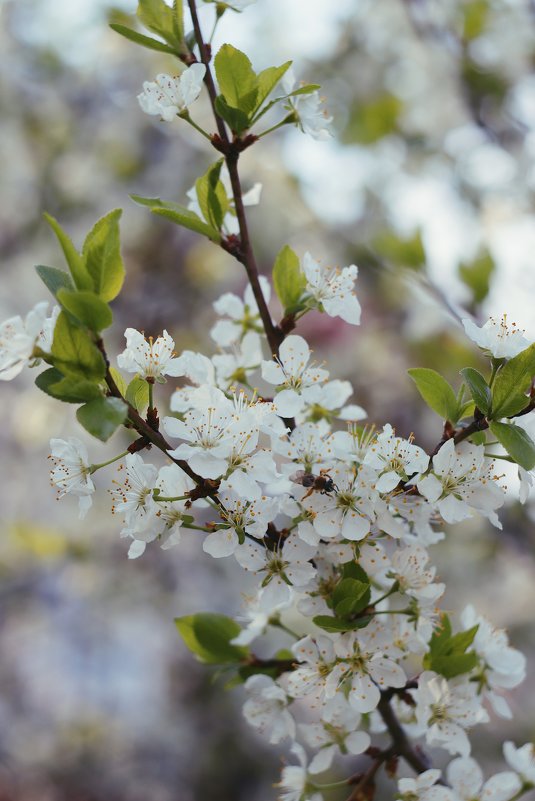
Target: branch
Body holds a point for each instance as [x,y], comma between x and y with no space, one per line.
[400,742]
[231,150]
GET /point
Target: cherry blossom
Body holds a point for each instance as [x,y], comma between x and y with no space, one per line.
[310,117]
[149,358]
[521,760]
[18,339]
[466,779]
[338,731]
[501,339]
[294,779]
[332,289]
[267,709]
[446,710]
[243,315]
[168,96]
[462,479]
[71,471]
[424,788]
[395,458]
[292,375]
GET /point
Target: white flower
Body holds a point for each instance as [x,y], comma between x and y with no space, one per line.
[241,517]
[286,566]
[71,472]
[172,483]
[134,501]
[348,512]
[149,358]
[466,779]
[336,732]
[237,366]
[230,222]
[307,447]
[408,568]
[257,620]
[501,666]
[311,118]
[18,339]
[501,339]
[424,788]
[395,458]
[243,315]
[46,337]
[317,660]
[445,710]
[521,760]
[294,780]
[267,709]
[328,401]
[462,479]
[169,96]
[332,289]
[290,371]
[207,429]
[364,668]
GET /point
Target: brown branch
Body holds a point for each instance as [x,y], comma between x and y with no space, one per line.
[231,150]
[400,742]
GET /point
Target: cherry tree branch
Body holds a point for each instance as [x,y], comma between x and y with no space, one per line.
[243,251]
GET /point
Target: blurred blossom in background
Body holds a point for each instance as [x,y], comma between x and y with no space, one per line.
[428,186]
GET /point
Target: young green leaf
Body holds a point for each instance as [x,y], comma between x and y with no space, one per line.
[86,307]
[237,79]
[211,196]
[267,81]
[141,39]
[236,119]
[68,389]
[102,256]
[159,18]
[120,383]
[208,636]
[336,624]
[137,394]
[436,392]
[79,273]
[512,382]
[350,596]
[101,417]
[479,389]
[73,351]
[516,442]
[188,219]
[288,279]
[54,279]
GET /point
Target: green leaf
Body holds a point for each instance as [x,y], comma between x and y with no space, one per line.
[511,384]
[237,79]
[74,352]
[178,21]
[477,275]
[401,252]
[475,15]
[371,121]
[267,81]
[208,636]
[159,18]
[79,273]
[335,624]
[355,571]
[350,596]
[120,383]
[188,219]
[436,392]
[479,389]
[54,279]
[516,442]
[102,417]
[137,394]
[455,665]
[141,39]
[446,653]
[288,279]
[102,256]
[212,197]
[67,388]
[237,120]
[86,307]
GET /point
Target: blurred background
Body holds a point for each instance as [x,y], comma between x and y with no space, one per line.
[428,186]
